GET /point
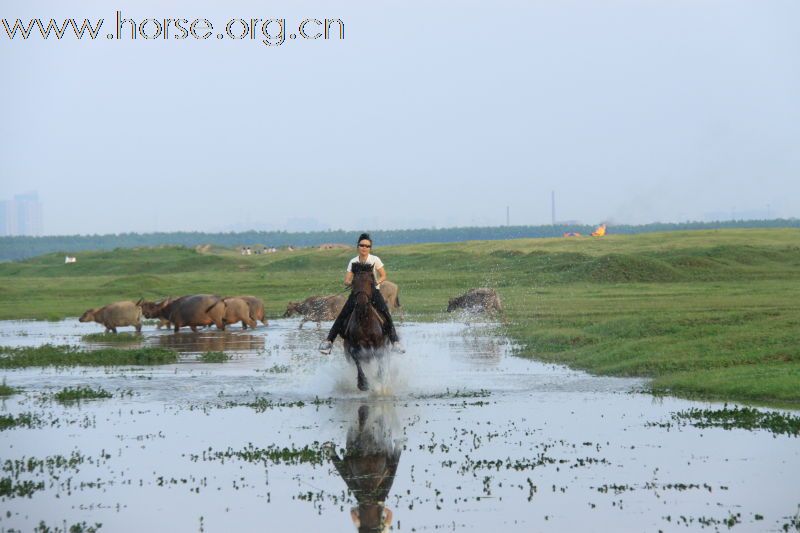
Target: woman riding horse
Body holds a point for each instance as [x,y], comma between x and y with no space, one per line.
[364,257]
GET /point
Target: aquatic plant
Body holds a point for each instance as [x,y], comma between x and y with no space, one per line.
[51,463]
[78,527]
[22,489]
[6,390]
[739,418]
[276,369]
[213,357]
[482,393]
[28,420]
[261,404]
[272,454]
[70,394]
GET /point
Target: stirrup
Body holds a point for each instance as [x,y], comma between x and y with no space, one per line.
[325,347]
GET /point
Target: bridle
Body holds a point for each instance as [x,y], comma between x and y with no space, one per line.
[356,293]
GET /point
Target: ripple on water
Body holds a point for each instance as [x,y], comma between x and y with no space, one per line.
[457,434]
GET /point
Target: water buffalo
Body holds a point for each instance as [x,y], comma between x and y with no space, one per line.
[115,315]
[256,306]
[237,310]
[477,300]
[317,308]
[154,310]
[195,310]
[391,293]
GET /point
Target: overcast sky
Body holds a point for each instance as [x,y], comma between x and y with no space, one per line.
[426,114]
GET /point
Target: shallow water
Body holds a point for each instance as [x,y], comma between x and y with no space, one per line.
[458,434]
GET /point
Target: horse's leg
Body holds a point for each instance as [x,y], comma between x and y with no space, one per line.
[362,379]
[354,355]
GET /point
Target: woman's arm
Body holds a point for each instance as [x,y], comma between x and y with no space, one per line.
[348,278]
[381,275]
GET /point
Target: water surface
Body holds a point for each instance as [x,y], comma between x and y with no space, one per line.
[459,434]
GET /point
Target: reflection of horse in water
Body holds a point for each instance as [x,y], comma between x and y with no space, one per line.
[368,467]
[209,341]
[364,333]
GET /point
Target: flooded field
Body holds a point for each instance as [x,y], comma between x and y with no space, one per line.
[459,434]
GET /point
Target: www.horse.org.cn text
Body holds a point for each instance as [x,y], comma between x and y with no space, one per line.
[268,31]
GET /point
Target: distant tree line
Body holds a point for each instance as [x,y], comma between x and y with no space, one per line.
[16,248]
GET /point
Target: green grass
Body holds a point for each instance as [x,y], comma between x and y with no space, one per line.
[6,390]
[708,313]
[52,355]
[213,357]
[73,394]
[115,338]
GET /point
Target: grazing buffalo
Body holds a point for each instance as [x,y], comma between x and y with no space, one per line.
[317,308]
[196,310]
[154,310]
[237,310]
[256,306]
[477,300]
[391,294]
[115,315]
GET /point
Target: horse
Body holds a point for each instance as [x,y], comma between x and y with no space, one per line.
[369,465]
[364,334]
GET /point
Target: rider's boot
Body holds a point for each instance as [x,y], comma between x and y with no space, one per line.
[397,346]
[325,347]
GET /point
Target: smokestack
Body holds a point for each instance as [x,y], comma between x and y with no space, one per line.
[553,206]
[508,218]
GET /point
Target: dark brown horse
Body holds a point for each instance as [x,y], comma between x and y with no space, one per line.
[368,467]
[364,334]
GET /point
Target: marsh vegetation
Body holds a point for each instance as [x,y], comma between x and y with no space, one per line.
[702,313]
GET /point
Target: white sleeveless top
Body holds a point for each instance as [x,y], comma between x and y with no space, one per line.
[373,260]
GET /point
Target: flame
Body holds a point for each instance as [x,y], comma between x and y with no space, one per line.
[600,231]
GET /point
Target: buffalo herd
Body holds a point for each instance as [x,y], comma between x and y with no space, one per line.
[193,311]
[201,310]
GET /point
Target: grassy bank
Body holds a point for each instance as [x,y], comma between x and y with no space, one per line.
[50,355]
[712,313]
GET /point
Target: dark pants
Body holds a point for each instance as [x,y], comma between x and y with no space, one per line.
[380,305]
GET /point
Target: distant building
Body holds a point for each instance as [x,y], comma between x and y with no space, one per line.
[4,219]
[21,216]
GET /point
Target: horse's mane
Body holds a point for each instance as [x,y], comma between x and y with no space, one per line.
[361,267]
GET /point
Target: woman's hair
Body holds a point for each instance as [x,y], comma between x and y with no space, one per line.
[364,236]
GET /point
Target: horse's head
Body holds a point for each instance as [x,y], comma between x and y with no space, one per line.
[363,282]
